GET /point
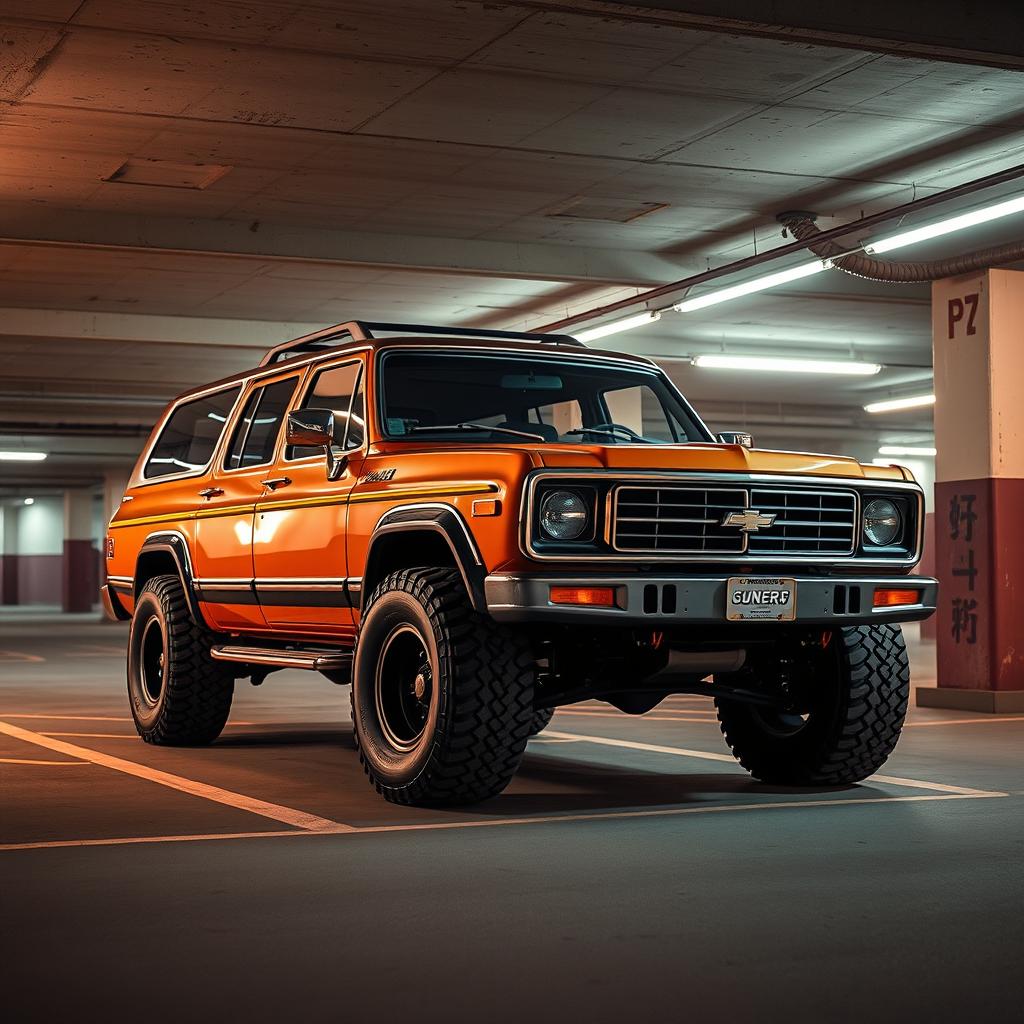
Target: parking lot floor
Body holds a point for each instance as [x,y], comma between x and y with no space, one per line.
[632,867]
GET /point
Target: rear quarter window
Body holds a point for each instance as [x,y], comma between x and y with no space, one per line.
[190,435]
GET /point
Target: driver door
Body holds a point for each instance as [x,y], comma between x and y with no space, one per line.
[299,550]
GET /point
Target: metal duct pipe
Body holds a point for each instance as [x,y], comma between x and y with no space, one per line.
[804,229]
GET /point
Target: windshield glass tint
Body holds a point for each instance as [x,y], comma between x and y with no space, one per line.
[508,398]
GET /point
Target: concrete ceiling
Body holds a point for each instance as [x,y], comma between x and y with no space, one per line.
[451,161]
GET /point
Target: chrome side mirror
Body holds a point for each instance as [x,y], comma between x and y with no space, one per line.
[736,437]
[314,428]
[310,428]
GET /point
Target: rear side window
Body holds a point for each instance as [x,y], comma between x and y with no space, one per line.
[190,435]
[338,388]
[255,435]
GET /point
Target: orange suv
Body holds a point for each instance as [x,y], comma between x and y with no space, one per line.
[476,527]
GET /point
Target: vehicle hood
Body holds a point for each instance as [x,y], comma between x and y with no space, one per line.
[710,458]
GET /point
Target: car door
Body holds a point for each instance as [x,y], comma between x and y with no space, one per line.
[224,526]
[299,552]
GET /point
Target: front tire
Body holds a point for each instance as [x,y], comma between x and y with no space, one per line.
[850,700]
[178,694]
[442,697]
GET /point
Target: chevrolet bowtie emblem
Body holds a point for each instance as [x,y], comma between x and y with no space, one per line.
[749,520]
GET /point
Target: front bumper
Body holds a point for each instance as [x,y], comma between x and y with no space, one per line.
[700,599]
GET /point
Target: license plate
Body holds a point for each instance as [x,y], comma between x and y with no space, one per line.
[749,597]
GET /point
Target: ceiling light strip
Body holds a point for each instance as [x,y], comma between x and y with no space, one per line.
[899,404]
[770,364]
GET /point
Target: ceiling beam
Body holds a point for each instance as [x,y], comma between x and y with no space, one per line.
[41,225]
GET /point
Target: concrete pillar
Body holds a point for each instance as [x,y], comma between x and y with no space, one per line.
[979,492]
[79,592]
[9,555]
[115,483]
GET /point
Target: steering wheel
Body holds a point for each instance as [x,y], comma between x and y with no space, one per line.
[612,427]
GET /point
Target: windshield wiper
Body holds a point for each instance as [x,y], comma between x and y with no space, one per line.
[612,432]
[440,428]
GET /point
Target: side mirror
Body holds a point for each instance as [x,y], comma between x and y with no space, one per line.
[310,428]
[314,428]
[735,437]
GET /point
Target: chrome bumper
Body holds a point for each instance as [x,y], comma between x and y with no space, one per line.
[701,600]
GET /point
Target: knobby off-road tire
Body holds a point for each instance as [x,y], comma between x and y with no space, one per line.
[541,720]
[851,727]
[179,696]
[442,697]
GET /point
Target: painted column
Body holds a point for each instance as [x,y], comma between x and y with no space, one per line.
[979,491]
[9,555]
[80,586]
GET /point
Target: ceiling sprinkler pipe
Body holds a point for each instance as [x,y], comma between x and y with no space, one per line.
[803,228]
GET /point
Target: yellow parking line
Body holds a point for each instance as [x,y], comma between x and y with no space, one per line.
[706,755]
[277,812]
[550,819]
[30,760]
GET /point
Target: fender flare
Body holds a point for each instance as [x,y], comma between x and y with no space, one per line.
[173,543]
[442,519]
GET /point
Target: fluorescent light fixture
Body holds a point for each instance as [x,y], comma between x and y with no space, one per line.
[30,501]
[20,456]
[945,227]
[758,284]
[770,364]
[898,404]
[905,449]
[648,316]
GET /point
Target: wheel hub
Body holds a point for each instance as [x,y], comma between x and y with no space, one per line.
[403,687]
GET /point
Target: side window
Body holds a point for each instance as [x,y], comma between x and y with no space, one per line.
[256,433]
[340,389]
[191,434]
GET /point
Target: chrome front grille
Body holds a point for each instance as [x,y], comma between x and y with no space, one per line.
[673,519]
[806,522]
[678,519]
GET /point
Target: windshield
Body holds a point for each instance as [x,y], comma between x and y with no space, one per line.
[518,399]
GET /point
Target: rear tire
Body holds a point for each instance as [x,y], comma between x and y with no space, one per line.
[442,697]
[179,696]
[856,694]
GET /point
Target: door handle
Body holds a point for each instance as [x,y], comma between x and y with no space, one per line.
[211,492]
[277,481]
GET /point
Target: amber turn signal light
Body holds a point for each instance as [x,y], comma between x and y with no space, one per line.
[603,597]
[888,598]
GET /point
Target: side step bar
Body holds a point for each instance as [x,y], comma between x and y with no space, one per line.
[316,660]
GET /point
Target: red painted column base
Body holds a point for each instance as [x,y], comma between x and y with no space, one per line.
[80,592]
[980,618]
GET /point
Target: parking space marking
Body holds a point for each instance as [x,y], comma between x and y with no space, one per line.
[19,656]
[995,719]
[705,755]
[32,760]
[549,819]
[95,735]
[70,718]
[276,812]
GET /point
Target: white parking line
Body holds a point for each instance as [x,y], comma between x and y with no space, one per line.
[548,819]
[705,755]
[277,812]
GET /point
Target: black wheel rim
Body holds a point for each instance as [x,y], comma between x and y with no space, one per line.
[404,687]
[151,662]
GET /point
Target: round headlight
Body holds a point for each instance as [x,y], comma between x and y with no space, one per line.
[881,522]
[563,515]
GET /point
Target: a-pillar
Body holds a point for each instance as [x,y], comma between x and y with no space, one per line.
[79,592]
[979,492]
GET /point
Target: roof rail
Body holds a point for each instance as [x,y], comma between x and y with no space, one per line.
[367,330]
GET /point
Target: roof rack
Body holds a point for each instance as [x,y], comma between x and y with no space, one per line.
[367,330]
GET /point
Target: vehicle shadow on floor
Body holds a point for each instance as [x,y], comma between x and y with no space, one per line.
[549,783]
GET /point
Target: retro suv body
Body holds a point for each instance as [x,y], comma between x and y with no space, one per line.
[473,528]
